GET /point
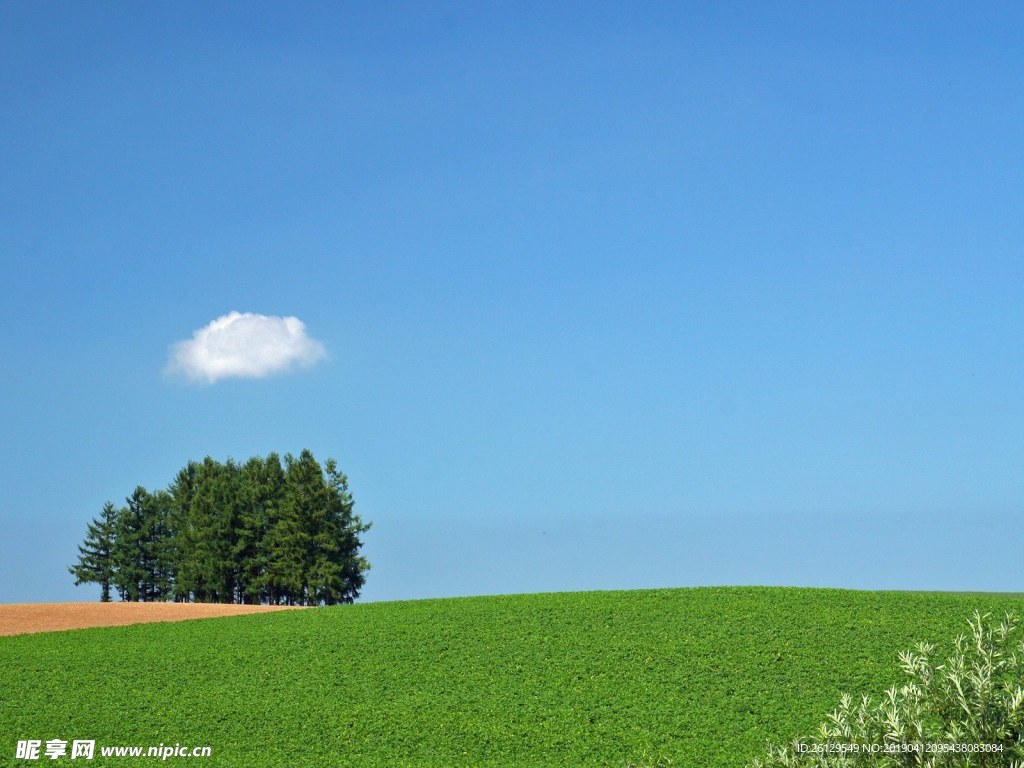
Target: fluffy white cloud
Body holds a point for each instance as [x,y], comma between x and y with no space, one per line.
[244,345]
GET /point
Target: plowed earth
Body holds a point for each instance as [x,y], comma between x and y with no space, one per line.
[24,618]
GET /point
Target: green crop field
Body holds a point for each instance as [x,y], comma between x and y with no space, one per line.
[700,676]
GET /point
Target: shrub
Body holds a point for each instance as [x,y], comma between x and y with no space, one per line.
[966,711]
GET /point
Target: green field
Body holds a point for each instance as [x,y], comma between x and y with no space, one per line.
[701,676]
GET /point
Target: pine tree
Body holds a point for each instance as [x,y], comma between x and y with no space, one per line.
[209,534]
[345,569]
[95,563]
[142,553]
[309,495]
[156,543]
[263,487]
[181,492]
[283,546]
[126,553]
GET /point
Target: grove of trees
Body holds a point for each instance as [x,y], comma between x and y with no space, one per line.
[266,531]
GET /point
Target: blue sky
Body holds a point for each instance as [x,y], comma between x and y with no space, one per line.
[609,295]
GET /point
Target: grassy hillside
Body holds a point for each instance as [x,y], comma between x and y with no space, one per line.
[702,676]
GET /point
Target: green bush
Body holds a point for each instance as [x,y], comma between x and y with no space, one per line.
[966,711]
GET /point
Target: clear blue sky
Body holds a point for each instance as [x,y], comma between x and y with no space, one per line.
[610,295]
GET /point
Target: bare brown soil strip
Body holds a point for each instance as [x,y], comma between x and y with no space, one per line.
[23,618]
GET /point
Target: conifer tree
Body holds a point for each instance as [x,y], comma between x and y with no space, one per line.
[208,536]
[347,569]
[286,544]
[262,487]
[309,495]
[95,564]
[181,492]
[126,554]
[156,544]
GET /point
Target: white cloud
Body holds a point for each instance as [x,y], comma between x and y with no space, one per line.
[244,345]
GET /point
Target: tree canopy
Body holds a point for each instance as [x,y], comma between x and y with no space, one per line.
[265,531]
